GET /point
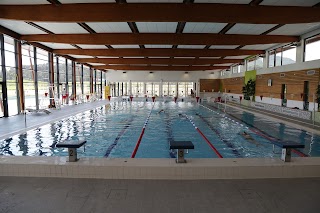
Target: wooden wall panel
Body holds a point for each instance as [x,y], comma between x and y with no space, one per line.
[209,84]
[294,81]
[232,85]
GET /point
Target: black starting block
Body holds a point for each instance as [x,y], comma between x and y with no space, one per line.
[287,147]
[181,146]
[72,146]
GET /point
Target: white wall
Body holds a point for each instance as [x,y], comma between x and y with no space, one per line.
[157,76]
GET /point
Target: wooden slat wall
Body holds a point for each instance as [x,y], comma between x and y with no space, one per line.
[209,84]
[294,81]
[232,85]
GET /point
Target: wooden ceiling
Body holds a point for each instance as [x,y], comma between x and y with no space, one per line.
[110,58]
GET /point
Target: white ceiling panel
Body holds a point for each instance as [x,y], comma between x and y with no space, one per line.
[86,1]
[209,57]
[253,29]
[133,57]
[223,64]
[154,1]
[107,57]
[96,64]
[20,27]
[57,45]
[84,46]
[290,2]
[157,27]
[201,27]
[295,29]
[157,46]
[258,46]
[125,46]
[81,56]
[224,1]
[110,27]
[237,57]
[223,46]
[158,57]
[62,28]
[185,57]
[24,2]
[191,46]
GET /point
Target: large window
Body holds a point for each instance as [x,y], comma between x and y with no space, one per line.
[137,89]
[43,77]
[282,56]
[11,70]
[86,80]
[78,79]
[254,63]
[312,48]
[69,67]
[28,76]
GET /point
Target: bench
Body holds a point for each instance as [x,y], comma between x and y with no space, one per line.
[181,146]
[72,146]
[287,147]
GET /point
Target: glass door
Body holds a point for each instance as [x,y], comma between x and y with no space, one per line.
[3,102]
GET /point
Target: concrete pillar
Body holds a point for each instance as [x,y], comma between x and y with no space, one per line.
[130,87]
[144,89]
[177,93]
[300,51]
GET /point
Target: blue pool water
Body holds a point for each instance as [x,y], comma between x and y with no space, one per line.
[113,130]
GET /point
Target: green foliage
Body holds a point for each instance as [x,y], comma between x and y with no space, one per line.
[249,89]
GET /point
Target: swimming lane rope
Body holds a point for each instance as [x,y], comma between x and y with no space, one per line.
[141,134]
[204,137]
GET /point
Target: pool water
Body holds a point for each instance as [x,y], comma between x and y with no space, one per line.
[113,130]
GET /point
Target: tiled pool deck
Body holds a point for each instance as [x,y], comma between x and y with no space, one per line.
[50,184]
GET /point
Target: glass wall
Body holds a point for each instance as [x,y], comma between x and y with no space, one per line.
[86,80]
[169,89]
[78,79]
[11,69]
[152,89]
[62,77]
[28,76]
[43,77]
[254,63]
[312,48]
[138,89]
[184,89]
[282,56]
[69,71]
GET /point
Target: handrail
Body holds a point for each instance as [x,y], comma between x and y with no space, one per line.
[141,135]
[204,137]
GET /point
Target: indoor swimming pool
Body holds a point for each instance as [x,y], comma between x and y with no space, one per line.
[113,130]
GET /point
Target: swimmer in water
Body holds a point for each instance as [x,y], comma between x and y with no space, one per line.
[249,138]
[161,111]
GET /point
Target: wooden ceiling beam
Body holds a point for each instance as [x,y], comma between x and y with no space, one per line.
[166,61]
[158,52]
[160,38]
[161,12]
[160,68]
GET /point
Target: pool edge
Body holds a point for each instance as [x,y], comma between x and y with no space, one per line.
[143,168]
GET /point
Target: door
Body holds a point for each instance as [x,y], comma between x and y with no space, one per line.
[306,95]
[3,102]
[284,95]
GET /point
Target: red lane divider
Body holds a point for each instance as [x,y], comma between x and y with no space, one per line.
[141,135]
[138,143]
[209,143]
[205,138]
